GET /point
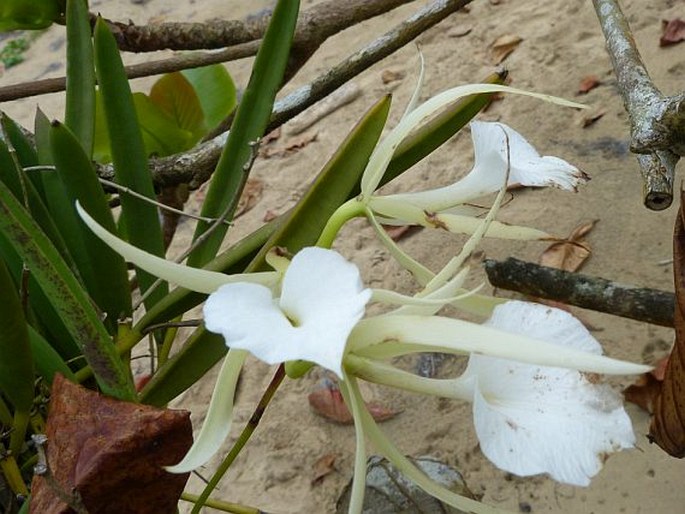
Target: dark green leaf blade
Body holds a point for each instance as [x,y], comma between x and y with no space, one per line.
[252,117]
[128,154]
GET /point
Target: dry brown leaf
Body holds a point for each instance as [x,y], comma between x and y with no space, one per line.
[270,215]
[109,454]
[251,195]
[571,253]
[647,387]
[503,46]
[590,116]
[673,31]
[292,147]
[668,424]
[460,30]
[322,467]
[274,135]
[327,401]
[398,232]
[388,76]
[588,83]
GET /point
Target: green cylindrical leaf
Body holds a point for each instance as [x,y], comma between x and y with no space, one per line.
[252,117]
[80,98]
[141,219]
[66,295]
[16,363]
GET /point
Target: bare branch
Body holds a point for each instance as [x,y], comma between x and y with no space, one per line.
[196,166]
[597,294]
[657,121]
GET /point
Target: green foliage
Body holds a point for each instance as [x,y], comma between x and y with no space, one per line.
[13,51]
[30,15]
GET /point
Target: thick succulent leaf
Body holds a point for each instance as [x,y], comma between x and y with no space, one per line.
[65,294]
[252,117]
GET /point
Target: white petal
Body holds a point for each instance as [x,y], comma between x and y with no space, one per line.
[535,419]
[323,295]
[532,420]
[527,168]
[322,299]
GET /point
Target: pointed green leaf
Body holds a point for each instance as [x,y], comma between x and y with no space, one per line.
[216,91]
[252,117]
[80,96]
[16,363]
[108,282]
[66,295]
[128,154]
[47,360]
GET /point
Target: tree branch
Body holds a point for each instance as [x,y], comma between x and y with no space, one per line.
[597,294]
[196,166]
[657,121]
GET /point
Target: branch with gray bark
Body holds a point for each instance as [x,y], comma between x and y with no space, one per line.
[594,293]
[657,121]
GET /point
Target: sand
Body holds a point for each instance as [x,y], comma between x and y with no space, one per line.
[561,43]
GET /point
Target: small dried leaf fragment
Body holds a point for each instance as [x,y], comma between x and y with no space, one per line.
[668,424]
[251,195]
[292,147]
[398,232]
[503,46]
[588,83]
[322,467]
[672,32]
[110,454]
[327,401]
[591,116]
[647,387]
[460,30]
[388,76]
[571,253]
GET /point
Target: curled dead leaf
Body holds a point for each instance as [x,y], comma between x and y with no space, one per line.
[503,46]
[323,466]
[672,32]
[588,83]
[108,455]
[572,252]
[327,401]
[647,387]
[398,232]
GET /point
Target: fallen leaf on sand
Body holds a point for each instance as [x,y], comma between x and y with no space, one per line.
[398,232]
[591,116]
[323,466]
[292,147]
[327,401]
[503,46]
[388,76]
[571,253]
[460,31]
[588,83]
[270,215]
[673,31]
[647,387]
[274,135]
[251,195]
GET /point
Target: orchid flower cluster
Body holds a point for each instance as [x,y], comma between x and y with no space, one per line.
[535,408]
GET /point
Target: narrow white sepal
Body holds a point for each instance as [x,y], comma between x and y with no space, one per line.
[195,279]
[217,424]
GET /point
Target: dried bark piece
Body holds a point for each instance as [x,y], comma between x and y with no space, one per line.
[503,46]
[673,31]
[668,425]
[109,454]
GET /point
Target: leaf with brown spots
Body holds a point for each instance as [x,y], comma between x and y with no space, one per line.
[571,253]
[668,425]
[673,31]
[503,46]
[108,455]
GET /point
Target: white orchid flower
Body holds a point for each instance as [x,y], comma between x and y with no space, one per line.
[535,419]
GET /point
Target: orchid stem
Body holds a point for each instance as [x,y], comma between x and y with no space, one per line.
[350,209]
[223,506]
[242,439]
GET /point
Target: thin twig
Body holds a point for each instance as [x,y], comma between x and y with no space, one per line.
[173,324]
[598,294]
[657,121]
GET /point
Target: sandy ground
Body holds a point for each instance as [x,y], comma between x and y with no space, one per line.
[561,43]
